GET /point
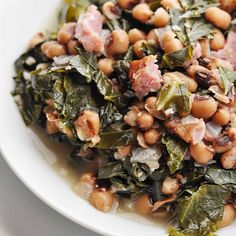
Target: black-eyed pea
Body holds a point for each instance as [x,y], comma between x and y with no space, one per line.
[204,106]
[66,33]
[222,116]
[106,65]
[142,12]
[131,117]
[53,49]
[218,17]
[151,136]
[201,153]
[145,120]
[161,17]
[228,159]
[71,47]
[218,40]
[85,185]
[136,35]
[169,4]
[228,216]
[111,10]
[102,200]
[172,45]
[119,42]
[37,38]
[170,186]
[87,125]
[126,4]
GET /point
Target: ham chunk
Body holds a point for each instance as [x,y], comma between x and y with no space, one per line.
[145,76]
[228,53]
[190,132]
[89,30]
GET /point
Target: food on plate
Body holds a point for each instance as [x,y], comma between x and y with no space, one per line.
[144,92]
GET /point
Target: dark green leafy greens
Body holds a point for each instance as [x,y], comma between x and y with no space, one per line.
[198,213]
[118,24]
[175,59]
[77,85]
[30,104]
[176,96]
[150,48]
[188,23]
[109,114]
[29,95]
[86,64]
[222,177]
[176,149]
[154,4]
[197,28]
[77,98]
[226,79]
[178,25]
[129,178]
[115,139]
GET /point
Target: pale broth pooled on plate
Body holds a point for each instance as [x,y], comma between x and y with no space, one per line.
[142,95]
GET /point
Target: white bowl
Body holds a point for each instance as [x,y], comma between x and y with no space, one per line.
[19,20]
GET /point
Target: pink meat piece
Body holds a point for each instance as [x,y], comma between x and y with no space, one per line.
[190,132]
[228,53]
[145,76]
[197,53]
[89,30]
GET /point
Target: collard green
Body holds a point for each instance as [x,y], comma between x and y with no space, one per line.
[199,212]
[174,95]
[176,149]
[222,177]
[226,79]
[175,59]
[115,139]
[124,140]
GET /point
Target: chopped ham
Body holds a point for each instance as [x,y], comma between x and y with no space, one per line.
[228,53]
[89,30]
[145,76]
[190,132]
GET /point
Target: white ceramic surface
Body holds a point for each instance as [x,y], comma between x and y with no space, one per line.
[38,218]
[19,20]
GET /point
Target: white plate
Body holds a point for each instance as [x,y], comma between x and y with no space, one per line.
[19,20]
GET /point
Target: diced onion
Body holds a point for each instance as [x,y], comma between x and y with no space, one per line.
[213,129]
[62,60]
[148,156]
[189,120]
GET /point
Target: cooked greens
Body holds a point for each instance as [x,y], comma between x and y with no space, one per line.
[144,93]
[176,96]
[199,212]
[176,149]
[178,58]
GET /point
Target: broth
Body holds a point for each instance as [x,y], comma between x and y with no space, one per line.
[56,154]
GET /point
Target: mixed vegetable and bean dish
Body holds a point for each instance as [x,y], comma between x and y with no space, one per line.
[145,90]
